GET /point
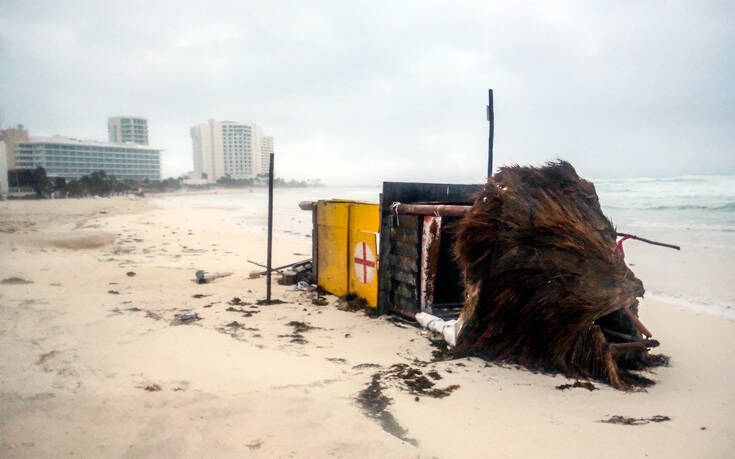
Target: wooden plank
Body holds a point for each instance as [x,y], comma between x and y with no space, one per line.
[409,237]
[407,250]
[405,290]
[406,277]
[404,262]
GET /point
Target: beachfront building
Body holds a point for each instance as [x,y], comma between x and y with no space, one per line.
[10,137]
[228,148]
[266,148]
[3,171]
[123,129]
[73,158]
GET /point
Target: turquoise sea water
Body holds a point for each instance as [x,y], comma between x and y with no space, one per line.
[695,212]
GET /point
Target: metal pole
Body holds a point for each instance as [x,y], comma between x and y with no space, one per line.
[270,228]
[491,133]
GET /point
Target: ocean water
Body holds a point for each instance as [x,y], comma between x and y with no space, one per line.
[694,212]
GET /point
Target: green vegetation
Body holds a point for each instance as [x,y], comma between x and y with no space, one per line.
[100,184]
[95,184]
[262,180]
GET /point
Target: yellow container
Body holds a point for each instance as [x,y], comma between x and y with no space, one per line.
[347,255]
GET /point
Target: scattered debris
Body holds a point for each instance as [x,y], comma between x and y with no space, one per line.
[360,366]
[375,405]
[433,374]
[185,318]
[245,312]
[130,273]
[353,303]
[152,388]
[236,301]
[319,301]
[581,384]
[272,301]
[200,295]
[134,309]
[15,281]
[442,351]
[254,445]
[203,278]
[113,292]
[416,383]
[298,329]
[337,360]
[288,277]
[635,421]
[153,315]
[306,287]
[44,357]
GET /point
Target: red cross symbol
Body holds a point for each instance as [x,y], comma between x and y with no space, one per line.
[364,263]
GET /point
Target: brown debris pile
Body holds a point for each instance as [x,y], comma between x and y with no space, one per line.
[546,287]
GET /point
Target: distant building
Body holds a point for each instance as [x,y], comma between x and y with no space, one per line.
[73,158]
[10,136]
[122,129]
[266,148]
[3,171]
[229,148]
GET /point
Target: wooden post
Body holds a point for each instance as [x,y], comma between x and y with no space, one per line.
[270,229]
[491,133]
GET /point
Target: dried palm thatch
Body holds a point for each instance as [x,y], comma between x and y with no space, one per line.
[546,287]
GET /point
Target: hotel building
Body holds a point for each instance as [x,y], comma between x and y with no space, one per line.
[73,158]
[10,137]
[229,148]
[3,171]
[122,129]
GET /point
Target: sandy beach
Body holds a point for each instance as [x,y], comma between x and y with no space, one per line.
[94,364]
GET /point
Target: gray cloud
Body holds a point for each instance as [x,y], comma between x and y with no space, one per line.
[359,92]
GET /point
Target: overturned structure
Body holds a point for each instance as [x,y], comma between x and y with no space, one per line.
[546,285]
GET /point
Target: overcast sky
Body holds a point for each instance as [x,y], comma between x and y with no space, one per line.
[361,92]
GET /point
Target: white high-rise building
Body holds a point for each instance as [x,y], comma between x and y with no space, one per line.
[266,148]
[123,129]
[228,148]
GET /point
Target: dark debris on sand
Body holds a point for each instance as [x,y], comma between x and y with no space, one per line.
[375,405]
[581,384]
[635,421]
[298,328]
[272,301]
[353,303]
[15,281]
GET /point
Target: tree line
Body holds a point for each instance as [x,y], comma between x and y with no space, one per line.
[95,184]
[100,184]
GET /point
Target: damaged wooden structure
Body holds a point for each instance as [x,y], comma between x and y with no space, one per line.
[527,261]
[546,281]
[417,270]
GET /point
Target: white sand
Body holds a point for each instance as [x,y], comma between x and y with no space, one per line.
[74,359]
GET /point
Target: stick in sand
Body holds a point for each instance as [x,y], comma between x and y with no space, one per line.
[633,236]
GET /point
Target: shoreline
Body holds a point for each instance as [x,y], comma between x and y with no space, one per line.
[88,372]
